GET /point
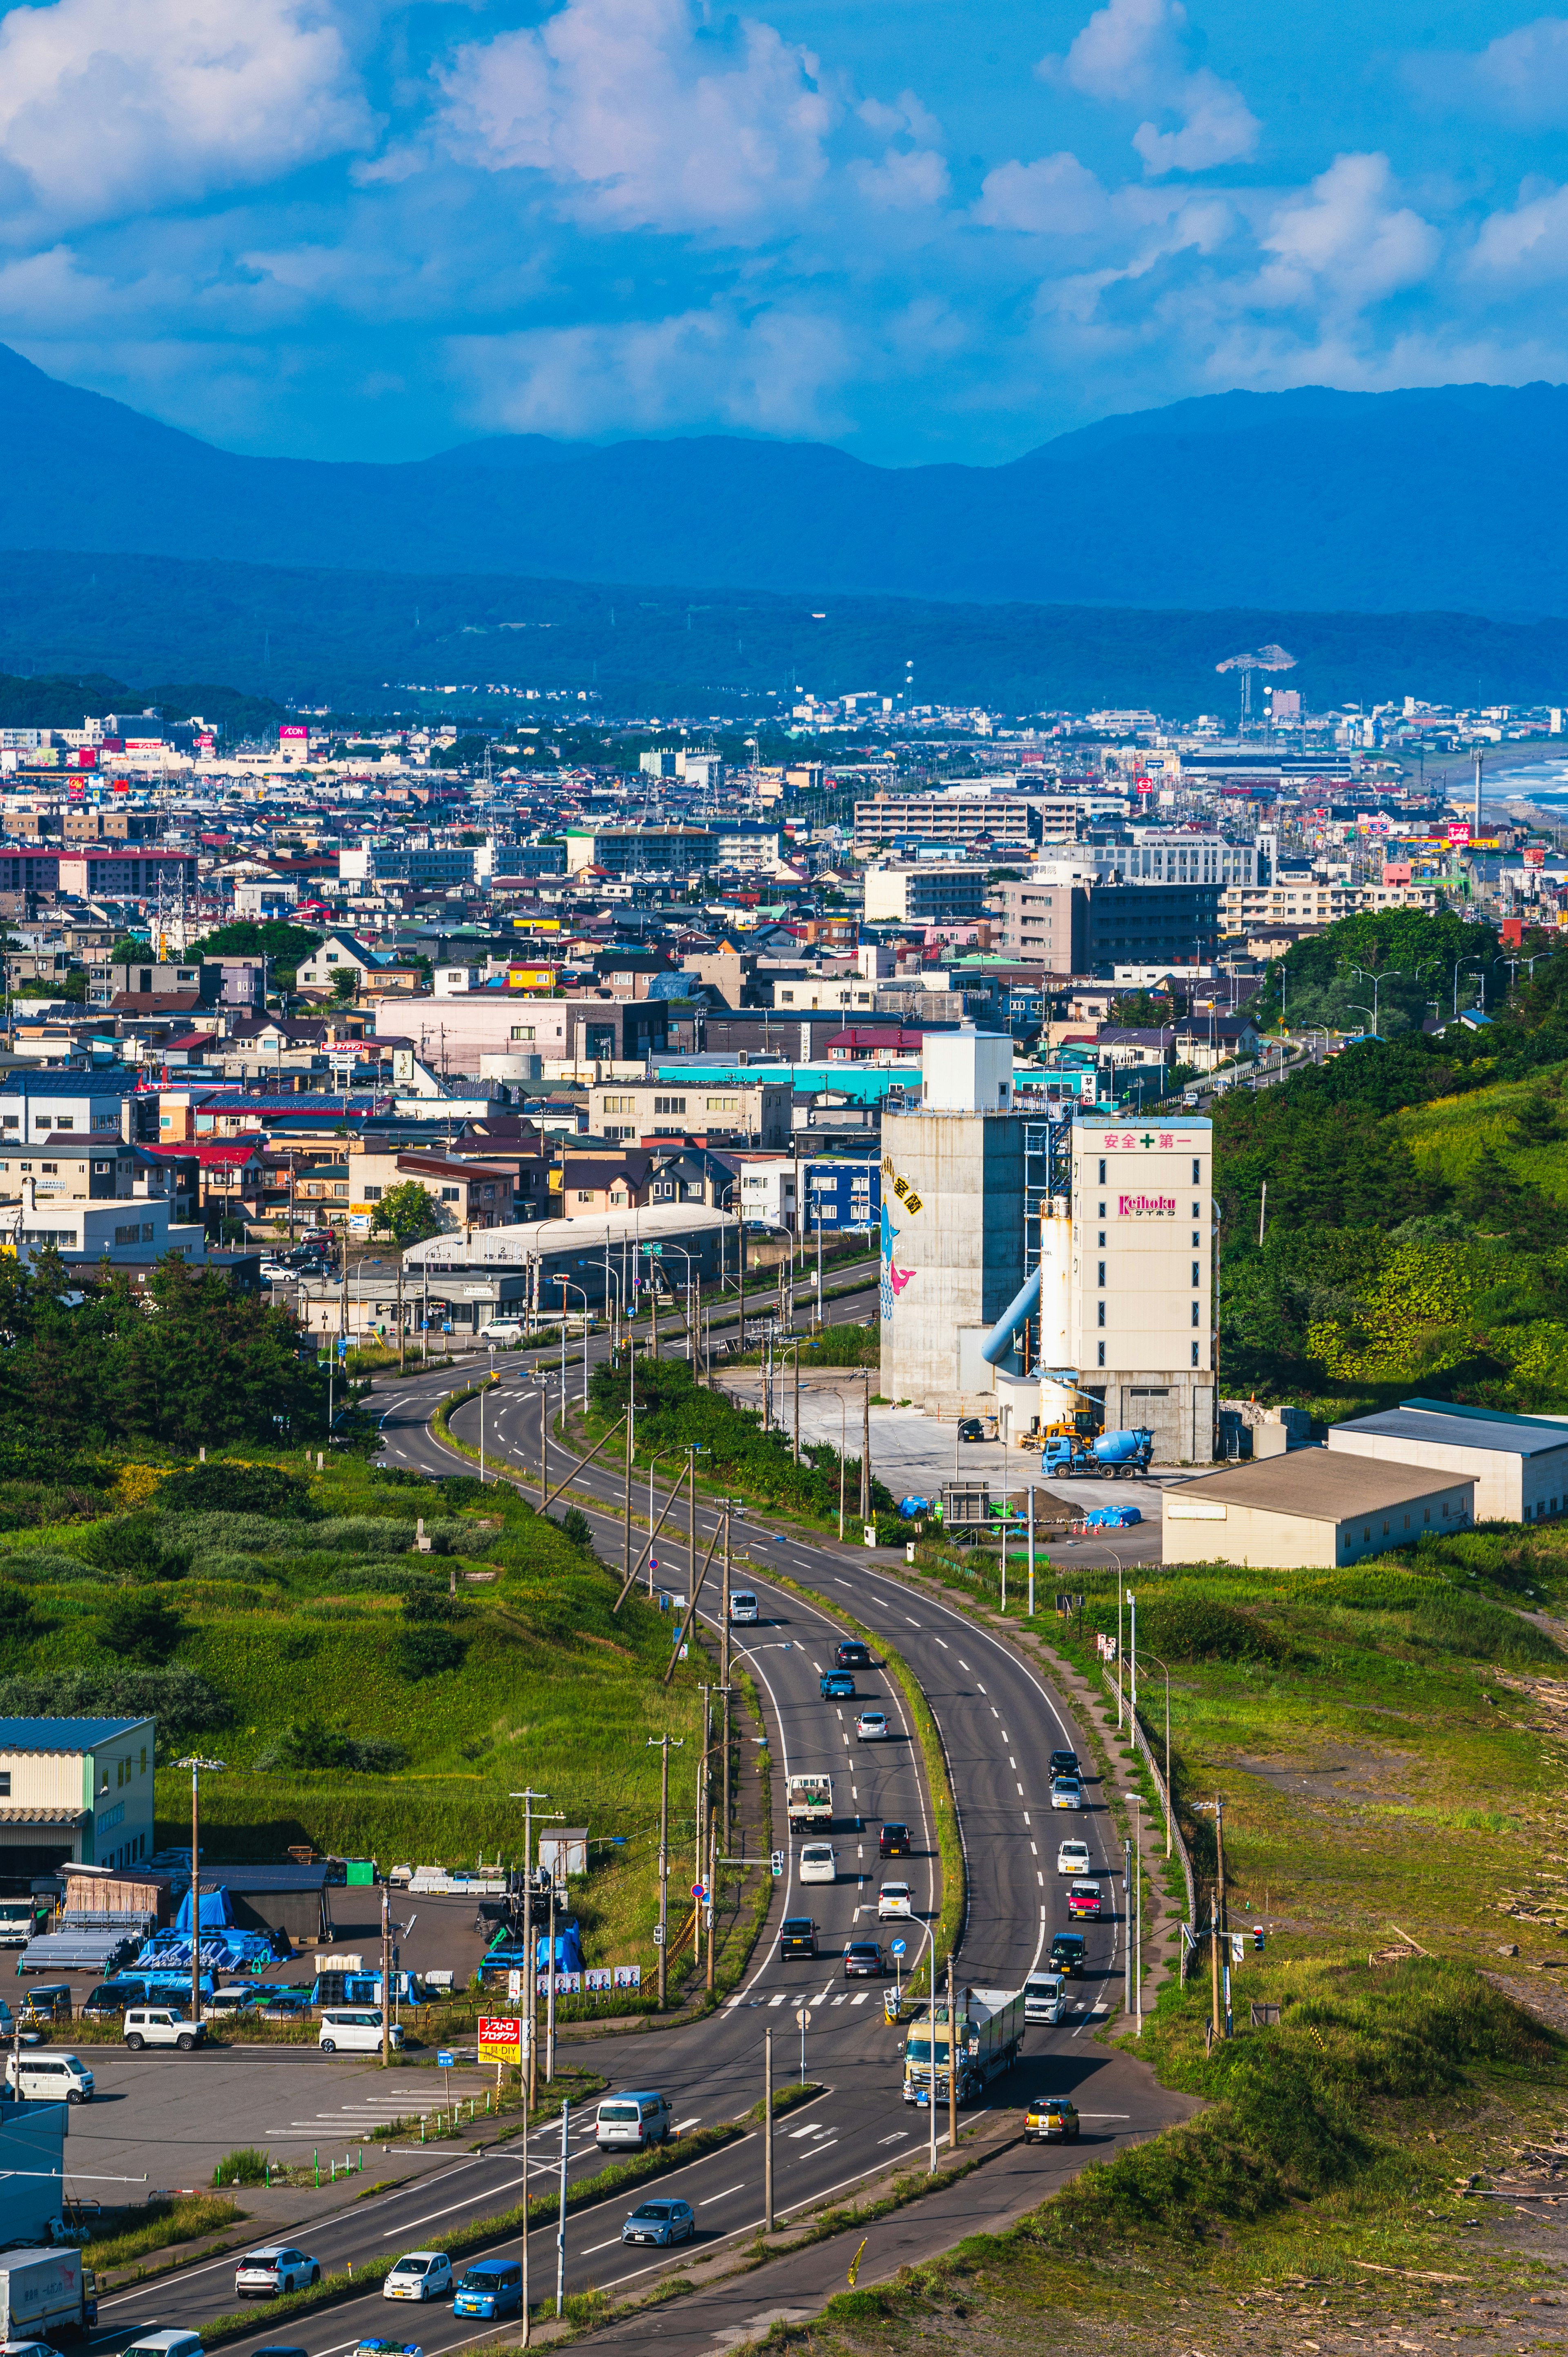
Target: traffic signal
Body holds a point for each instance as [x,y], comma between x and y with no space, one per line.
[777,1863]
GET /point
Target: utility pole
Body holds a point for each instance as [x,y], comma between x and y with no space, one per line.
[528,1799]
[630,1416]
[797,1399]
[724,1680]
[401,1329]
[561,2220]
[866,1456]
[196,1764]
[662,1744]
[767,2132]
[952,2067]
[386,1975]
[1127,1925]
[1217,1924]
[549,1984]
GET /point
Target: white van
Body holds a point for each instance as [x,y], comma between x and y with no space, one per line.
[501,1330]
[639,2119]
[742,1607]
[51,2078]
[166,2343]
[161,2025]
[356,2029]
[1043,1998]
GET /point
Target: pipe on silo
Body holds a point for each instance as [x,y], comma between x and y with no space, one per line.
[1023,1304]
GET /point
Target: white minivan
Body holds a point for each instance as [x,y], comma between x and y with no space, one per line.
[1043,1998]
[742,1608]
[639,2119]
[161,2025]
[356,2029]
[51,2078]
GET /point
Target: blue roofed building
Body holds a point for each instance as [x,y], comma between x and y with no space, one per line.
[74,1792]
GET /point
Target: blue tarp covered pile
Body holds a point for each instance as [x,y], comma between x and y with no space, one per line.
[223,1947]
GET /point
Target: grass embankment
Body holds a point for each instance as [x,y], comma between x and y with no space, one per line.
[1449,1135]
[362,1706]
[1389,1743]
[1321,2182]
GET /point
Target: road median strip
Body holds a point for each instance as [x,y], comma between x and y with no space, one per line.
[948,1928]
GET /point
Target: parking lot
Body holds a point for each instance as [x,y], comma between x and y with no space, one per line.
[172,2117]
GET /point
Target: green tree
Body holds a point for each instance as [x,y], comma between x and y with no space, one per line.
[70,986]
[133,1546]
[1536,1122]
[288,946]
[138,1626]
[345,986]
[407,1213]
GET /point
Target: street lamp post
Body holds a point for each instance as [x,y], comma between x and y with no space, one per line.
[566,1287]
[197,1765]
[1161,1665]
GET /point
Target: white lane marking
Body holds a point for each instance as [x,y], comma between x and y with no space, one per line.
[861,1999]
[709,2198]
[1010,1761]
[431,2215]
[977,1687]
[943,1642]
[681,2126]
[908,1623]
[777,2001]
[1013,1763]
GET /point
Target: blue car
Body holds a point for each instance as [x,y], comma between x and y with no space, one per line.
[836,1685]
[490,2287]
[661,2221]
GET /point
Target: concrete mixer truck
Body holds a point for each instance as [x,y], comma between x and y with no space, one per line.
[1108,1455]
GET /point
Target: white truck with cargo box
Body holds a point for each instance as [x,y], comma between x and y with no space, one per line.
[989,2039]
[808,1801]
[41,2293]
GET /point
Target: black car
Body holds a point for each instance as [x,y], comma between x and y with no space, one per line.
[1064,1763]
[1067,1951]
[970,1428]
[894,1841]
[852,1655]
[862,1959]
[797,1936]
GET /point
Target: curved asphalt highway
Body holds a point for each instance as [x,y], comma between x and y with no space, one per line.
[999,1723]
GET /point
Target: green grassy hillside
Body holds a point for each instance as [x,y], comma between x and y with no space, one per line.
[359,1706]
[1448,1136]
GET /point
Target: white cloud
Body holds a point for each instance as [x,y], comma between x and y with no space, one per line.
[1056,195]
[1522,77]
[1345,240]
[776,371]
[1132,52]
[906,180]
[643,120]
[107,109]
[1528,243]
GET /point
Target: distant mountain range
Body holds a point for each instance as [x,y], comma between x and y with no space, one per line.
[1311,501]
[315,635]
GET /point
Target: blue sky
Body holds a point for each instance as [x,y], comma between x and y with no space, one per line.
[918,229]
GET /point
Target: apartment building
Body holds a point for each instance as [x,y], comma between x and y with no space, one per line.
[957,819]
[755,1114]
[1081,928]
[465,1194]
[928,893]
[1309,904]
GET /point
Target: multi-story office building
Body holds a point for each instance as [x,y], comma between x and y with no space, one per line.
[928,893]
[1079,928]
[757,1115]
